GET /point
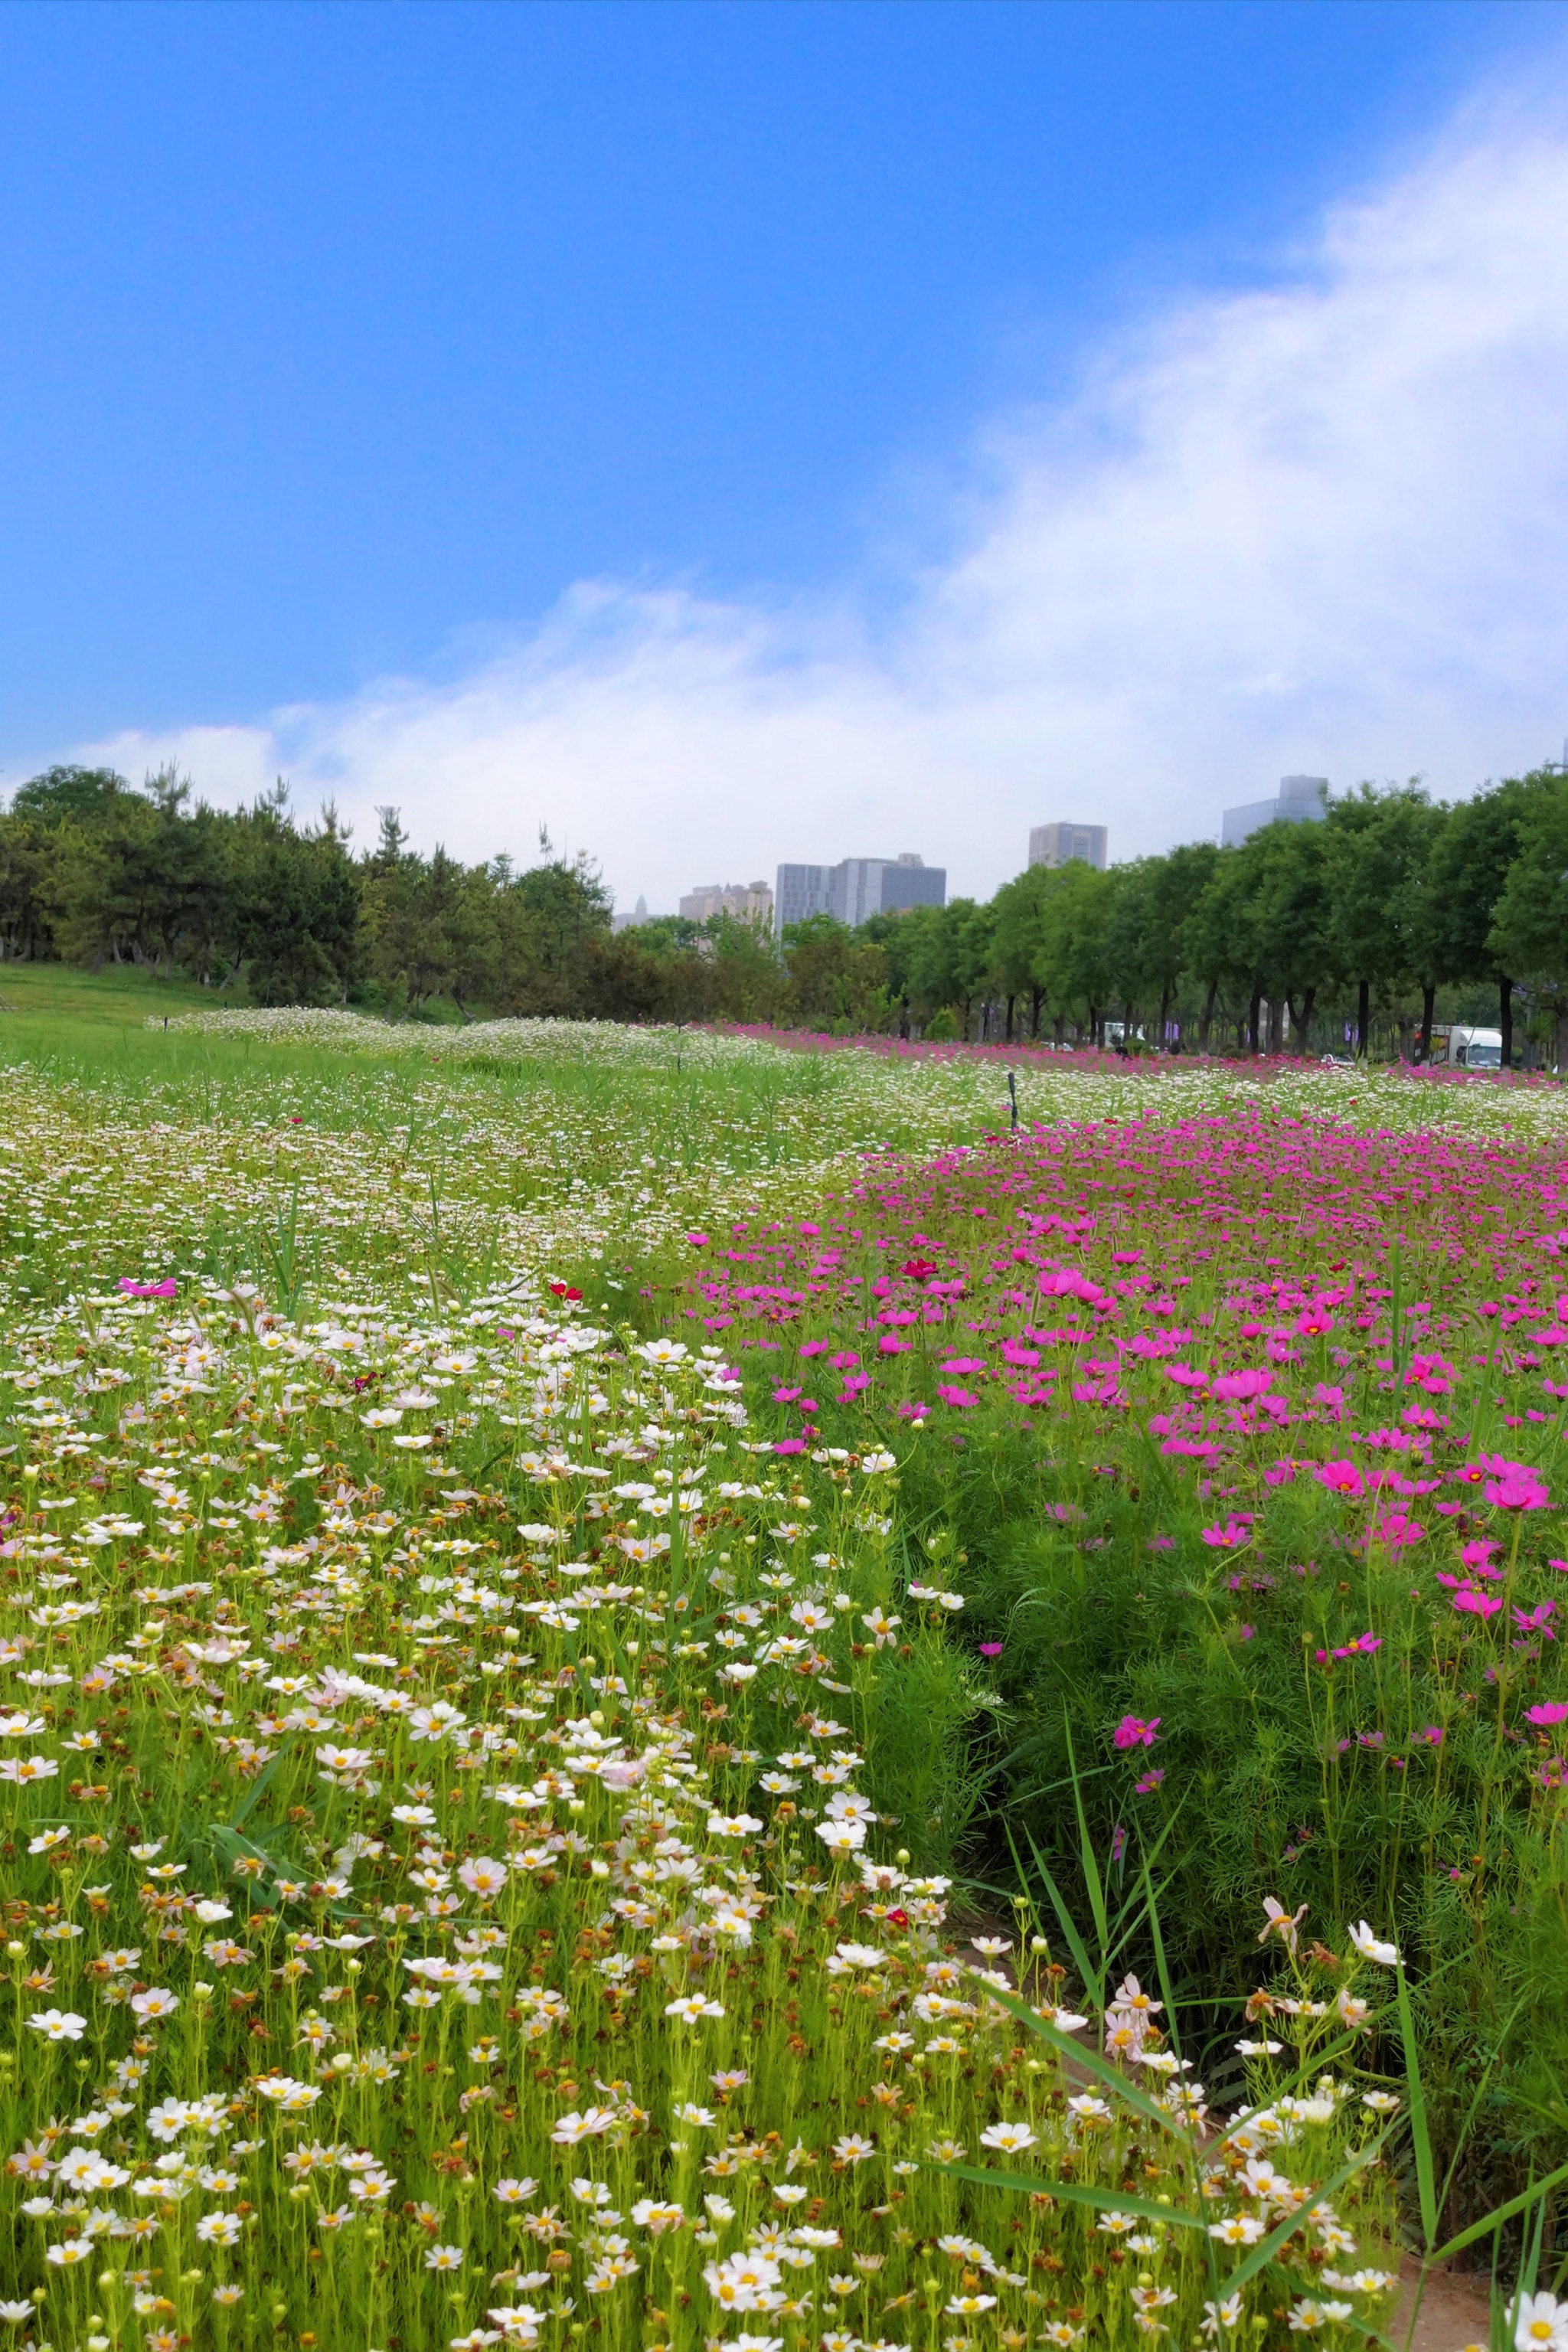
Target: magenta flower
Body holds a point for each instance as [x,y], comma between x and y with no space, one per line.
[1133,1732]
[1518,1490]
[168,1289]
[991,1649]
[1550,1713]
[960,1398]
[1343,1477]
[1151,1781]
[1235,1531]
[789,1445]
[1476,1604]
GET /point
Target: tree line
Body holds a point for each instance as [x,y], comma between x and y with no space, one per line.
[1392,906]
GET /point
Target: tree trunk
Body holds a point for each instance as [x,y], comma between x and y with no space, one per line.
[1428,997]
[1164,1017]
[1205,1024]
[1252,1021]
[1011,1001]
[1505,1021]
[1363,1020]
[1035,1012]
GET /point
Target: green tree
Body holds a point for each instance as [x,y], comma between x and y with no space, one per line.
[1528,931]
[1376,848]
[838,978]
[1468,876]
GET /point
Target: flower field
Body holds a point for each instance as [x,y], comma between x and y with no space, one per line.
[670,1693]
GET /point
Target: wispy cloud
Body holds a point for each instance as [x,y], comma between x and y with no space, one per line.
[1320,526]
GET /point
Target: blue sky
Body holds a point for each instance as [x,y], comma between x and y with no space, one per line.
[409,394]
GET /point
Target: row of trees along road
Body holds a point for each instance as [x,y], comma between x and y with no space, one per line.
[1391,909]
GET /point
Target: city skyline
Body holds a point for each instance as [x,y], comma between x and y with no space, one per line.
[580,410]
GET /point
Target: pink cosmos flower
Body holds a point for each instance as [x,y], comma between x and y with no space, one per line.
[960,1398]
[1232,1386]
[1133,1732]
[1476,1604]
[1551,1712]
[1151,1781]
[169,1288]
[1235,1531]
[1519,1490]
[1534,1620]
[1343,1477]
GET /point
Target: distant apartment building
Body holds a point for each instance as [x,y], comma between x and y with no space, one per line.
[746,901]
[858,888]
[1301,800]
[1058,844]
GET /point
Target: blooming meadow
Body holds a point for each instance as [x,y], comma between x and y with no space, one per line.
[550,1644]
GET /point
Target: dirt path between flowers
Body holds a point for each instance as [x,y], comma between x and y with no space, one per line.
[1455,2313]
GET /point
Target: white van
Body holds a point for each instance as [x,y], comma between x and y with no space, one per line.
[1475,1049]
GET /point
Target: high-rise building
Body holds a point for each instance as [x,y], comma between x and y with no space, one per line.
[1301,800]
[1058,844]
[800,892]
[746,901]
[858,888]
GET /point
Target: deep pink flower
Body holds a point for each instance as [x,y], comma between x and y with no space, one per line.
[1151,1781]
[1235,1531]
[960,1398]
[991,1649]
[1551,1711]
[1133,1732]
[1476,1604]
[168,1289]
[1343,1477]
[1519,1490]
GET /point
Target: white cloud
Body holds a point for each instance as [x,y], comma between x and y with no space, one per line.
[1322,526]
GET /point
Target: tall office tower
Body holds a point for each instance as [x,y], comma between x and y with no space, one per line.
[885,886]
[800,892]
[1059,844]
[1301,800]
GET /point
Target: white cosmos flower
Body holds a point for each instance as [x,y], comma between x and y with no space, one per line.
[1371,1949]
[1540,2323]
[59,2024]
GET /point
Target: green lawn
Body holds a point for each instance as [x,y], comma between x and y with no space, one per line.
[120,998]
